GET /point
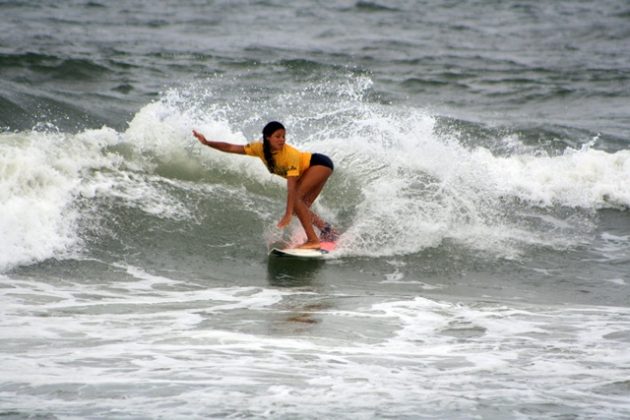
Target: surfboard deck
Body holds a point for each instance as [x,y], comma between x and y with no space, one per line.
[325,249]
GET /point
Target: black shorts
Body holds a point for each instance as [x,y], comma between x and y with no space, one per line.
[321,160]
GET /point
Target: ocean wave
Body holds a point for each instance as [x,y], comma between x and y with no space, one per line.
[53,66]
[403,182]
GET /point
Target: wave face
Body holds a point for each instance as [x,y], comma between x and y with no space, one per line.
[406,180]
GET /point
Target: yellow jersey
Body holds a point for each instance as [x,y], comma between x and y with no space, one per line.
[288,162]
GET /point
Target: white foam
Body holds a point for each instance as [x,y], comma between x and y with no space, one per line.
[586,178]
[617,281]
[420,187]
[195,349]
[40,174]
[49,179]
[45,179]
[400,185]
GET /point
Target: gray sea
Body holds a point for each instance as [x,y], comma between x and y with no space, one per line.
[482,188]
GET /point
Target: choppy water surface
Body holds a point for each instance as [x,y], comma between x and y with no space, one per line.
[481,155]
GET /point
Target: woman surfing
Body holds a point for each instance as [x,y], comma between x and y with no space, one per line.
[306,174]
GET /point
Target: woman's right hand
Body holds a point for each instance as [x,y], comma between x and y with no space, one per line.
[219,145]
[200,137]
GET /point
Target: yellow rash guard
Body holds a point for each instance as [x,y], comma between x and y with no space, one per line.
[288,162]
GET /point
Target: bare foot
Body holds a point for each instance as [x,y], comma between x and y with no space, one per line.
[309,245]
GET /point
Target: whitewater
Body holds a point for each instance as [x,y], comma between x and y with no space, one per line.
[480,188]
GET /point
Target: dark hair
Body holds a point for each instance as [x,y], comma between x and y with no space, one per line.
[269,129]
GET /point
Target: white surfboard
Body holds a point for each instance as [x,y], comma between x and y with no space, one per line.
[325,249]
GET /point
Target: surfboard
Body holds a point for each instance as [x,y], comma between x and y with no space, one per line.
[324,250]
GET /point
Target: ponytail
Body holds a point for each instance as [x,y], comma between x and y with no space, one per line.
[268,156]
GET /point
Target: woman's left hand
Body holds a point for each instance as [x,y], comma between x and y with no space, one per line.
[286,219]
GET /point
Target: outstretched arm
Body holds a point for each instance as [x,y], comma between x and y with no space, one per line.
[219,145]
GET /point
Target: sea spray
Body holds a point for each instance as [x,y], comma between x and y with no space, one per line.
[40,178]
[402,182]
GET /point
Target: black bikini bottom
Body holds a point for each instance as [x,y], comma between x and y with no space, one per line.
[321,160]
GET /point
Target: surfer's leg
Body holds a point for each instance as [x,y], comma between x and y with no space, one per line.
[309,186]
[303,214]
[309,199]
[327,232]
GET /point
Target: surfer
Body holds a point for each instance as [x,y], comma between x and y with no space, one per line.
[305,172]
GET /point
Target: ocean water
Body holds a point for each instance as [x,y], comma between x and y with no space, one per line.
[482,154]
